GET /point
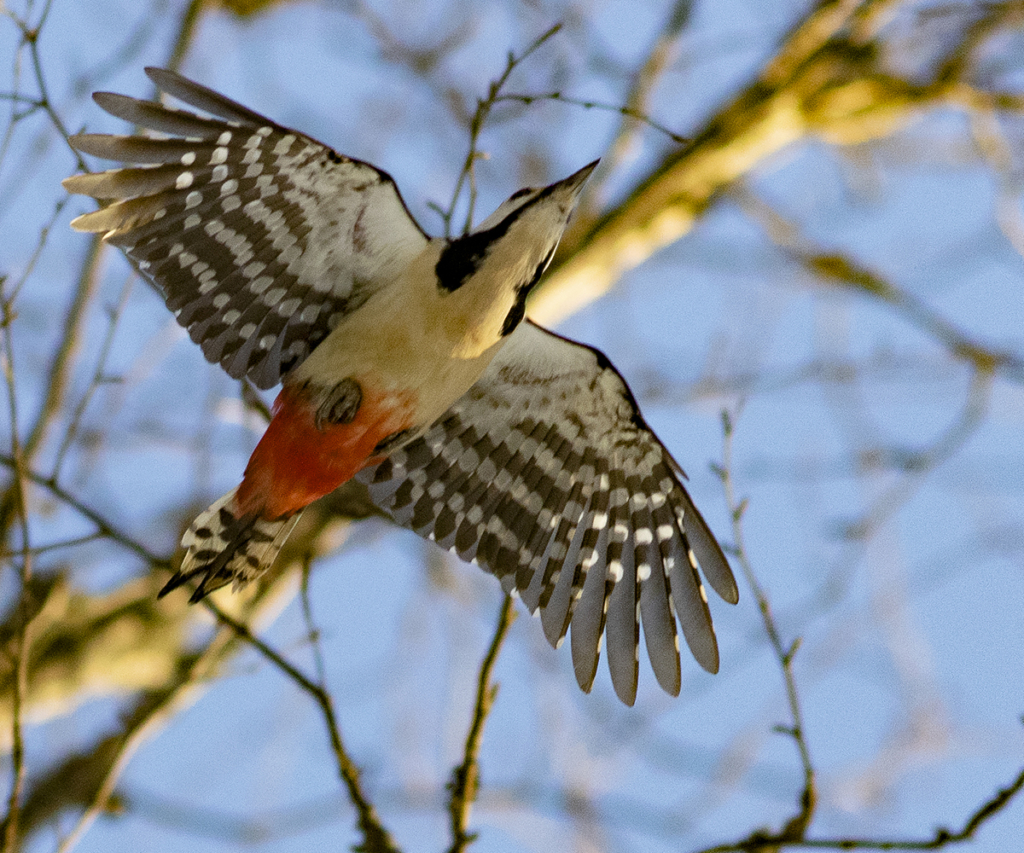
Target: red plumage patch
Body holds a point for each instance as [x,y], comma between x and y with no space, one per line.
[295,463]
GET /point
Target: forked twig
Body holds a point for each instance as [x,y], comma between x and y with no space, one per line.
[942,836]
[476,125]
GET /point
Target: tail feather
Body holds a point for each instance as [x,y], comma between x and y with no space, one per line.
[223,548]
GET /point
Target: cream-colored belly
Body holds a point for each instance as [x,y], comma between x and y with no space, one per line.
[401,350]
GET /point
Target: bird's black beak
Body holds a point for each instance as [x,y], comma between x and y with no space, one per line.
[576,180]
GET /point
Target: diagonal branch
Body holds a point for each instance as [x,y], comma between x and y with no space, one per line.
[376,839]
[824,82]
[844,272]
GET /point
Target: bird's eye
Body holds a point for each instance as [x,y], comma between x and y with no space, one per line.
[520,193]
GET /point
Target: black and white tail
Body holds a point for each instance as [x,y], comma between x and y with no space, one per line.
[222,548]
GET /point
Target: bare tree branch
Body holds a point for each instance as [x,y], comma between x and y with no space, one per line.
[483,110]
[942,837]
[376,838]
[465,780]
[798,825]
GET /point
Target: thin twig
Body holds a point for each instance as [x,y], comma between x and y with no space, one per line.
[465,780]
[30,35]
[36,550]
[99,377]
[15,115]
[628,112]
[312,632]
[61,368]
[476,125]
[798,824]
[103,526]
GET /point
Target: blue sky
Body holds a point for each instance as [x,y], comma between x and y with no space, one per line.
[912,637]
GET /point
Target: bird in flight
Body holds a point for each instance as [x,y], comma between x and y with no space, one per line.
[405,362]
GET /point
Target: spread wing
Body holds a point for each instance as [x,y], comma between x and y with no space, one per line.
[546,475]
[259,238]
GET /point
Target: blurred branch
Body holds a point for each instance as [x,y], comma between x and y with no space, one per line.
[89,645]
[99,377]
[637,107]
[767,116]
[95,772]
[999,151]
[86,645]
[18,648]
[824,82]
[465,780]
[128,641]
[916,466]
[420,60]
[186,32]
[841,271]
[62,364]
[997,16]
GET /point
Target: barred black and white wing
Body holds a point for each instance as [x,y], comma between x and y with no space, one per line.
[546,475]
[260,239]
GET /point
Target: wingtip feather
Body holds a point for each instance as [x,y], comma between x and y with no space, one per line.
[85,223]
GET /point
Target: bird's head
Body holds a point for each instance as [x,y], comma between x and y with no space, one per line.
[496,265]
[545,209]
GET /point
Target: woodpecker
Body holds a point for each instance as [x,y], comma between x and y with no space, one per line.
[405,361]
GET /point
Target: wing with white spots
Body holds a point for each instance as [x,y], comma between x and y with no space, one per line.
[546,474]
[260,238]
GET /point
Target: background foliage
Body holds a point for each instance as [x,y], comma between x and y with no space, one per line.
[804,251]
